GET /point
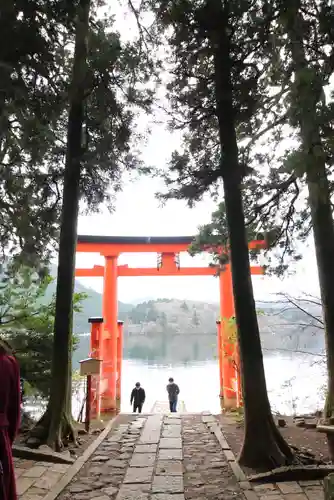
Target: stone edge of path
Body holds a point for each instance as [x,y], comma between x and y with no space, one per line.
[211,422]
[80,462]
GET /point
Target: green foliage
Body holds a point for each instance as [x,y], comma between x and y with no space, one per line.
[26,320]
[278,184]
[35,74]
[204,158]
[266,98]
[188,27]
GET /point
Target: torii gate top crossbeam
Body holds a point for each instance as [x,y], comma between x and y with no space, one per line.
[113,245]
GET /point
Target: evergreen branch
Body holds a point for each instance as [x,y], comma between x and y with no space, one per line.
[17,319]
[142,29]
[288,218]
[264,131]
[281,188]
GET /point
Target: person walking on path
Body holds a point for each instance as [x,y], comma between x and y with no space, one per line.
[173,392]
[138,398]
[10,402]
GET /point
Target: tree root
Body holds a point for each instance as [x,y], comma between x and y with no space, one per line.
[328,415]
[41,433]
[293,473]
[264,448]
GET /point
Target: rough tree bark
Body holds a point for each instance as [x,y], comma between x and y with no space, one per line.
[56,423]
[308,90]
[263,447]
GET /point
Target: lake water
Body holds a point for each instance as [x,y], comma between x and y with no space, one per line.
[295,384]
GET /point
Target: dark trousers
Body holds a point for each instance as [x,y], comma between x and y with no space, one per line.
[172,406]
[137,405]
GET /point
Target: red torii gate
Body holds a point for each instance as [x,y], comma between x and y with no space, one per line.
[106,338]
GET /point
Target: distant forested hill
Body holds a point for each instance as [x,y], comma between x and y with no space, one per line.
[92,306]
[170,330]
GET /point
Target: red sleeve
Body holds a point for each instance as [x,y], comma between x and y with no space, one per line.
[14,407]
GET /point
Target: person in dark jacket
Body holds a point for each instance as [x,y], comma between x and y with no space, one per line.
[173,392]
[137,398]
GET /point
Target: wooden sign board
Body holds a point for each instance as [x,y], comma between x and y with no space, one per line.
[90,366]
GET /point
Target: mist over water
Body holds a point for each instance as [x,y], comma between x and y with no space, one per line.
[295,383]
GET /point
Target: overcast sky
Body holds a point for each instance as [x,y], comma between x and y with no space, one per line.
[138,213]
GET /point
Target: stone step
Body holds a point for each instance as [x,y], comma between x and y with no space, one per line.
[163,407]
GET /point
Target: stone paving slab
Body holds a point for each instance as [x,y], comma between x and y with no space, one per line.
[162,407]
[167,496]
[146,448]
[126,494]
[171,431]
[152,438]
[169,467]
[143,460]
[173,420]
[138,475]
[35,479]
[167,484]
[170,443]
[170,454]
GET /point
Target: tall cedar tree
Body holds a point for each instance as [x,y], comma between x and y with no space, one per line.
[56,423]
[275,193]
[218,54]
[306,104]
[35,73]
[298,188]
[33,81]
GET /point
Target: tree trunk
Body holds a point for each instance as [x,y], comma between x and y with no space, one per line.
[263,447]
[307,98]
[57,421]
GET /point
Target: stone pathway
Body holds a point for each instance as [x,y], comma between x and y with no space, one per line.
[207,471]
[157,457]
[303,490]
[35,479]
[161,457]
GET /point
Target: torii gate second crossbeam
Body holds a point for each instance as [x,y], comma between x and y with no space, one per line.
[106,344]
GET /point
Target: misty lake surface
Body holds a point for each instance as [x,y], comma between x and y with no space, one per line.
[295,384]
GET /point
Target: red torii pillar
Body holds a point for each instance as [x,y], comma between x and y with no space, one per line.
[96,344]
[230,375]
[220,361]
[119,365]
[228,346]
[109,354]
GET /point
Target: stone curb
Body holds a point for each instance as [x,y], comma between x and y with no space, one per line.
[80,462]
[210,421]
